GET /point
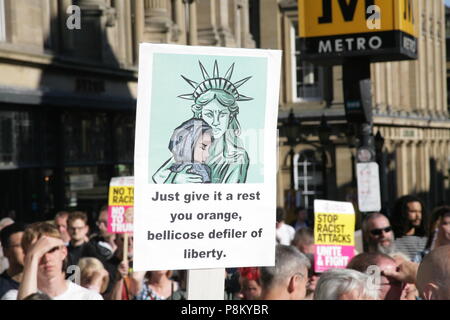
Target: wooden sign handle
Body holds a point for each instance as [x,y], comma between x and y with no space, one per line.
[125,247]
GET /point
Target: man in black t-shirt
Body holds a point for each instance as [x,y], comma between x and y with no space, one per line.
[79,245]
[11,239]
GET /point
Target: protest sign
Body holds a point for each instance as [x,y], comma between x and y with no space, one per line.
[205,157]
[369,197]
[334,227]
[120,205]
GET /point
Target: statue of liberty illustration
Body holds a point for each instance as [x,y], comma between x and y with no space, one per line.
[212,151]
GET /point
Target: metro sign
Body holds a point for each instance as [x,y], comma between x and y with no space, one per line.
[381,30]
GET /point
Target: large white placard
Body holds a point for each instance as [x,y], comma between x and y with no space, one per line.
[205,157]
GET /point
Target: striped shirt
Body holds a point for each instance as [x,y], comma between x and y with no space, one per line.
[411,245]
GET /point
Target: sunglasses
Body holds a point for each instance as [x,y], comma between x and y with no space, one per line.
[378,232]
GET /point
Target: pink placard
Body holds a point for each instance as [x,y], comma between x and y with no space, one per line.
[120,219]
[331,257]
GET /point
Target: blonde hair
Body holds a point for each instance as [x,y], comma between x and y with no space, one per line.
[36,230]
[87,268]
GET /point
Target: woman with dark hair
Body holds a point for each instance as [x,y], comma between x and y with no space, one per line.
[249,279]
[409,223]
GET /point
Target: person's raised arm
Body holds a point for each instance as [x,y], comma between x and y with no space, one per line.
[137,282]
[122,273]
[98,278]
[406,272]
[31,264]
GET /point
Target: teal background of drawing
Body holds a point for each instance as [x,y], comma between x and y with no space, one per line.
[168,111]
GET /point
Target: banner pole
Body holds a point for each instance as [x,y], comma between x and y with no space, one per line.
[206,284]
[125,247]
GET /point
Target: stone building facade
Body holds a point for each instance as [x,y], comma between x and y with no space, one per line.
[68,94]
[410,112]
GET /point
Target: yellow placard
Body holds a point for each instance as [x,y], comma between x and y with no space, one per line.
[406,20]
[334,229]
[121,196]
[322,18]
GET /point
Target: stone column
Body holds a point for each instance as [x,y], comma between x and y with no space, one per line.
[442,69]
[236,20]
[389,94]
[435,156]
[193,34]
[447,166]
[226,36]
[395,87]
[422,30]
[270,33]
[156,11]
[139,26]
[207,23]
[247,38]
[430,67]
[414,154]
[441,166]
[180,21]
[401,168]
[122,32]
[158,24]
[377,93]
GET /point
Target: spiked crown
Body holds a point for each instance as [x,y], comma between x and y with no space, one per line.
[216,82]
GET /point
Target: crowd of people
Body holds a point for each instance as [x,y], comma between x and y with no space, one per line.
[62,260]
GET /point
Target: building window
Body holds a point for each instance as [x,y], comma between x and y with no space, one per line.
[307,79]
[7,138]
[2,21]
[87,138]
[308,177]
[124,130]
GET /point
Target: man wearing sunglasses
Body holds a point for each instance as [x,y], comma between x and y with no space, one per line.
[378,234]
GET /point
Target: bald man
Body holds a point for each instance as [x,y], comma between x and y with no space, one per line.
[433,276]
[390,288]
[286,280]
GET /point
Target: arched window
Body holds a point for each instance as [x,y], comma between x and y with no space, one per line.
[308,177]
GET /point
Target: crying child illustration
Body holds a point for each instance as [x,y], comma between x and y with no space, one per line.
[189,145]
